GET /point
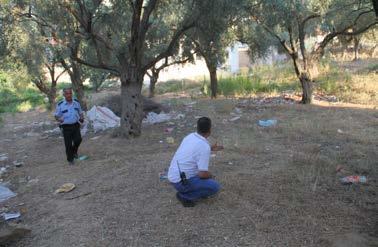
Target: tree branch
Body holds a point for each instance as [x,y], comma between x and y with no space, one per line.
[60,74]
[170,47]
[113,70]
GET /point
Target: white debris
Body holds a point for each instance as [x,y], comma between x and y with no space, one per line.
[3,157]
[3,170]
[191,103]
[234,119]
[153,118]
[102,118]
[55,131]
[9,216]
[31,134]
[238,110]
[5,193]
[17,163]
[179,116]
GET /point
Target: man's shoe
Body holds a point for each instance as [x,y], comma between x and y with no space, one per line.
[71,163]
[76,156]
[184,202]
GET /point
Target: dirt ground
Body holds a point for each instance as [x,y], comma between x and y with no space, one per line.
[279,184]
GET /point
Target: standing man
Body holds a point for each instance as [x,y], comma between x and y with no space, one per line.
[69,113]
[189,169]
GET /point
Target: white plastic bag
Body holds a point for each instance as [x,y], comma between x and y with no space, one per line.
[5,193]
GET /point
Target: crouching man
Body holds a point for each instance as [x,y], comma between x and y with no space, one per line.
[189,168]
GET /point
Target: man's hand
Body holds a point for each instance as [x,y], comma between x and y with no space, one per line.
[204,175]
[60,120]
[81,120]
[216,147]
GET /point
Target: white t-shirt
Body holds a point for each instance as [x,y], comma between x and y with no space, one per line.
[193,155]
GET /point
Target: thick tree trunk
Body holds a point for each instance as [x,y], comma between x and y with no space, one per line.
[356,43]
[213,82]
[51,96]
[77,85]
[306,88]
[132,103]
[51,101]
[153,80]
[304,78]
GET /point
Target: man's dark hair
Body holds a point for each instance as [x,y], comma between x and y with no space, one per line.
[203,125]
[66,89]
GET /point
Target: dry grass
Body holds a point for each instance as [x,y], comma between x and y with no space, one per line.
[279,184]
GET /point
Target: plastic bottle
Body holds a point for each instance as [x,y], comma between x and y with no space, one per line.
[353,180]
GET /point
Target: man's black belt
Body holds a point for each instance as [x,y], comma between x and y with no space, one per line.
[68,125]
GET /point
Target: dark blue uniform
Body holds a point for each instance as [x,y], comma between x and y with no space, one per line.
[70,113]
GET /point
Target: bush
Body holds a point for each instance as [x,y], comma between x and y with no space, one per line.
[17,97]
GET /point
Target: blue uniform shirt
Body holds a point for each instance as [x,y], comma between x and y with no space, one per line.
[70,112]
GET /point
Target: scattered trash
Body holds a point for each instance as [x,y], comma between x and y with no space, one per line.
[160,141]
[3,170]
[83,157]
[33,181]
[234,119]
[55,131]
[6,193]
[267,123]
[238,110]
[3,157]
[154,118]
[340,131]
[170,140]
[18,163]
[9,216]
[179,116]
[95,138]
[337,147]
[102,118]
[353,180]
[230,163]
[65,188]
[169,130]
[197,117]
[191,103]
[163,175]
[31,134]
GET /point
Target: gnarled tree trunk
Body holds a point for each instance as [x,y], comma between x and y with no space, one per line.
[213,82]
[132,104]
[306,88]
[50,92]
[77,85]
[213,77]
[153,80]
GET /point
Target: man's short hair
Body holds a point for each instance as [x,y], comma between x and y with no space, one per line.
[66,89]
[203,125]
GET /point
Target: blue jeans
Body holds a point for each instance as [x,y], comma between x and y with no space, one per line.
[197,188]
